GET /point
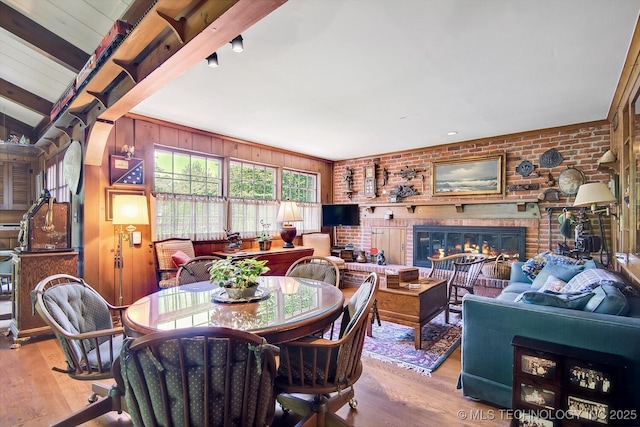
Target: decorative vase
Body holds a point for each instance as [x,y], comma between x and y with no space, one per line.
[361,257]
[241,293]
[265,245]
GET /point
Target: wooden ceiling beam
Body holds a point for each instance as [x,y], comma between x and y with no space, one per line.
[25,98]
[41,39]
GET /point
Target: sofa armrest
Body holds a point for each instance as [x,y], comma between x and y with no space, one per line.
[517,275]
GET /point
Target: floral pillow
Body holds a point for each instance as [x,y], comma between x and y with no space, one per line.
[534,265]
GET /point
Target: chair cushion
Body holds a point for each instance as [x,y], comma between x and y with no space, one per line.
[315,271]
[105,352]
[179,258]
[320,242]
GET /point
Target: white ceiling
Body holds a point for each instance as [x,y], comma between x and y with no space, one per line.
[340,79]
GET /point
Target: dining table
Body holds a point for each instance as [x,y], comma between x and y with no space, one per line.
[283,309]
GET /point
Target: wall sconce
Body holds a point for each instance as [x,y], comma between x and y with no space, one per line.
[236,44]
[593,194]
[128,209]
[288,213]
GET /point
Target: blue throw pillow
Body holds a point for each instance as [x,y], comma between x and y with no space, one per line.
[574,301]
[607,299]
[563,272]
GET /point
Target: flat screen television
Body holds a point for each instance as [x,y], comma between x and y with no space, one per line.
[340,214]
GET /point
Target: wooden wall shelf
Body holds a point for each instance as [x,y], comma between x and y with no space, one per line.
[520,208]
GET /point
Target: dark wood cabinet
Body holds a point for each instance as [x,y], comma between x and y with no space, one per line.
[28,269]
[556,385]
[279,259]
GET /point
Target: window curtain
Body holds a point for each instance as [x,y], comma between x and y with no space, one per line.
[247,213]
[190,216]
[311,216]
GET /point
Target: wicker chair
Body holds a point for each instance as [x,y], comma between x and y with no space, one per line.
[461,272]
[196,270]
[166,268]
[326,369]
[82,320]
[198,376]
[317,268]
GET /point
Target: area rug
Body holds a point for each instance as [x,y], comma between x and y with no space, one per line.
[393,343]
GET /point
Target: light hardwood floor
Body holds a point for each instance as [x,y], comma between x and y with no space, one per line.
[31,394]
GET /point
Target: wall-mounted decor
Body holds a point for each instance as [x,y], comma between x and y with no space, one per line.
[409,174]
[110,193]
[551,158]
[126,170]
[370,183]
[525,168]
[570,180]
[468,176]
[72,170]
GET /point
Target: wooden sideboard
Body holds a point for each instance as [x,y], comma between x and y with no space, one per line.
[28,269]
[279,259]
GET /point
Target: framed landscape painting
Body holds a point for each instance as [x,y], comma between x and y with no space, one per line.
[468,176]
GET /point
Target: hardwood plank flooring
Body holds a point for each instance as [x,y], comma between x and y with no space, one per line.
[32,395]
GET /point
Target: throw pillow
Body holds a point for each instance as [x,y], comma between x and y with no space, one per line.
[591,278]
[534,265]
[564,272]
[574,301]
[179,258]
[607,299]
[552,284]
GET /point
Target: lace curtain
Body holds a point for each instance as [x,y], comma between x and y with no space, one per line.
[311,217]
[189,216]
[247,213]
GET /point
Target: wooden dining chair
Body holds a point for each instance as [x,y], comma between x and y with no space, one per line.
[316,268]
[324,368]
[195,270]
[205,376]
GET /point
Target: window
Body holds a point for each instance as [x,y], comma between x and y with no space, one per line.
[188,189]
[187,173]
[55,182]
[302,188]
[252,196]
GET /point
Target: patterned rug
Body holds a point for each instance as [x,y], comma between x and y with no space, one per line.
[393,343]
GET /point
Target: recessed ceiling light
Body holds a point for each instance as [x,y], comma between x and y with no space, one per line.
[452,133]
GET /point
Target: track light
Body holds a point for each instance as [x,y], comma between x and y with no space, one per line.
[212,60]
[236,44]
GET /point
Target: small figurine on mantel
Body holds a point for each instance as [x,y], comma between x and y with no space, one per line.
[381,260]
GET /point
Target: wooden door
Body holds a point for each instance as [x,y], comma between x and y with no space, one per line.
[393,241]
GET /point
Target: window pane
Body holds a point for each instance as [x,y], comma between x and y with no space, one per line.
[299,186]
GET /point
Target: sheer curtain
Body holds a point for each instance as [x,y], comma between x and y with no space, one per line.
[247,213]
[190,216]
[311,216]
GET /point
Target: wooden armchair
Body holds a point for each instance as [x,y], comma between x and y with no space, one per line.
[195,270]
[317,268]
[82,321]
[460,271]
[166,267]
[326,369]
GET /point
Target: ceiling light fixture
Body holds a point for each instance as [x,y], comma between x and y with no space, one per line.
[236,44]
[452,133]
[212,60]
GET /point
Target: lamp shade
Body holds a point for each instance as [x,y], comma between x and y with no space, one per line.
[288,212]
[593,194]
[130,209]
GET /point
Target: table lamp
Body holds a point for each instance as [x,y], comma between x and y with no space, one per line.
[288,213]
[128,209]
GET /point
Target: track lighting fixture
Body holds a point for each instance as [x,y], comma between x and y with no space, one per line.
[236,44]
[212,60]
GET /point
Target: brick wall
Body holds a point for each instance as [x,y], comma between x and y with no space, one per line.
[580,146]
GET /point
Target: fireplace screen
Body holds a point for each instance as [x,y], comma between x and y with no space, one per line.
[440,241]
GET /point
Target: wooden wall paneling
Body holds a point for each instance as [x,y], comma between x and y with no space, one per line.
[185,139]
[202,143]
[217,146]
[148,133]
[168,136]
[277,157]
[244,151]
[230,148]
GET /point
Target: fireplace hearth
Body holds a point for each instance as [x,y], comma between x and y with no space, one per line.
[438,241]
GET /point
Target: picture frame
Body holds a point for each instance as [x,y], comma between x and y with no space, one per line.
[536,395]
[526,419]
[472,176]
[370,184]
[538,366]
[586,409]
[126,170]
[110,193]
[590,378]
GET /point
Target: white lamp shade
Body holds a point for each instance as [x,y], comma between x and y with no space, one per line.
[288,212]
[130,209]
[593,194]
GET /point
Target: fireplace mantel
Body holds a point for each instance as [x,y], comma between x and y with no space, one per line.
[515,209]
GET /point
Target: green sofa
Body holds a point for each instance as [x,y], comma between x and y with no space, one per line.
[490,324]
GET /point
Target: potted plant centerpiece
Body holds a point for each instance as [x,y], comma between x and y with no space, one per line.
[264,239]
[239,277]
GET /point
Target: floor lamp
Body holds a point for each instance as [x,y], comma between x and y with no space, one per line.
[591,195]
[127,209]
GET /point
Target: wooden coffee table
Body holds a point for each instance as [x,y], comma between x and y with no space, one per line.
[413,307]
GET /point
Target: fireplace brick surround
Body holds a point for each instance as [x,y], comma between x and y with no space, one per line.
[580,145]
